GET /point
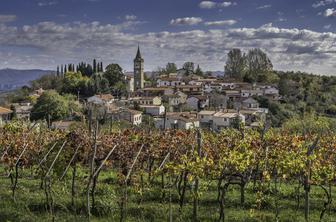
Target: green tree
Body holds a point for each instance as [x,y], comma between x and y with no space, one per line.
[50,104]
[171,67]
[235,64]
[85,69]
[189,68]
[48,82]
[95,66]
[99,84]
[74,82]
[258,66]
[199,71]
[113,74]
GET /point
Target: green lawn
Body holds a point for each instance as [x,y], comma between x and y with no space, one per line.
[30,202]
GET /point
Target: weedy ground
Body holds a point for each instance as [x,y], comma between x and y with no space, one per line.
[149,205]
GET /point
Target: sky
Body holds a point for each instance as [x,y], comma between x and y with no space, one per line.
[297,35]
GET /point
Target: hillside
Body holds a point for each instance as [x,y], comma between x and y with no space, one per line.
[13,78]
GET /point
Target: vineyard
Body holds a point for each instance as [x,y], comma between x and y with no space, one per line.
[142,175]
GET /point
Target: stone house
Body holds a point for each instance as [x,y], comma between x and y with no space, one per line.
[217,101]
[132,116]
[197,102]
[150,100]
[250,103]
[180,120]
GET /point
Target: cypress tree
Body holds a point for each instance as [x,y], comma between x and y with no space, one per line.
[57,71]
[95,66]
[62,70]
[65,69]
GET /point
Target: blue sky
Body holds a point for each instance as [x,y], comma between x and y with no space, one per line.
[296,34]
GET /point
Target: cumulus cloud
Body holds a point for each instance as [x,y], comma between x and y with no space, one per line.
[330,12]
[7,18]
[53,44]
[186,21]
[211,4]
[219,23]
[323,3]
[264,6]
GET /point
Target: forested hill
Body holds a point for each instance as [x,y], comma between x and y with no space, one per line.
[13,78]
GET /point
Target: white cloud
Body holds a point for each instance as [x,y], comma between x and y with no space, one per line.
[207,4]
[264,7]
[219,23]
[130,17]
[330,12]
[211,4]
[47,3]
[323,3]
[7,18]
[281,19]
[227,4]
[47,44]
[186,21]
[327,26]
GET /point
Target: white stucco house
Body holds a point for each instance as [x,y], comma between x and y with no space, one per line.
[218,120]
[153,110]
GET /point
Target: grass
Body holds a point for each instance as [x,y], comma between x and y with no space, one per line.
[30,202]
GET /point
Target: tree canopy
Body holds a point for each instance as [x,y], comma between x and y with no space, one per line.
[53,105]
[113,74]
[235,64]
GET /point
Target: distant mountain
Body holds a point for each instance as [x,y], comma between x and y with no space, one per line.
[11,79]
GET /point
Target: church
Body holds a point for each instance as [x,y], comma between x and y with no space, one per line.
[139,76]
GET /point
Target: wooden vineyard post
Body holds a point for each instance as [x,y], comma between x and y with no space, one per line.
[91,172]
[195,205]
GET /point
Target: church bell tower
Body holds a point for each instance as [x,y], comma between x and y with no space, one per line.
[139,76]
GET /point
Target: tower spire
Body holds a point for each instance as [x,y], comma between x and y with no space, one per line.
[138,55]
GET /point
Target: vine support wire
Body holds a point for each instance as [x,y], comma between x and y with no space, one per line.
[69,164]
[4,153]
[102,164]
[54,161]
[47,154]
[126,180]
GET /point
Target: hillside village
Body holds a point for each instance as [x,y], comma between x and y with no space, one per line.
[172,100]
